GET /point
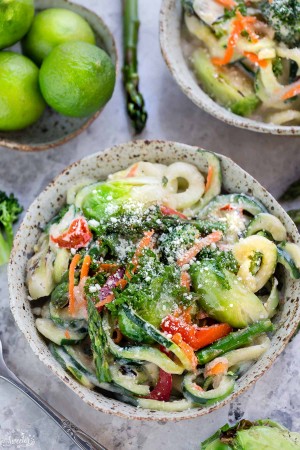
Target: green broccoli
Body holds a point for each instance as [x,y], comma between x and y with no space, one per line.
[283,16]
[9,213]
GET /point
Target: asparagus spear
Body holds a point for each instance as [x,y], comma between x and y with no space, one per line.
[295,215]
[135,101]
[233,340]
[98,343]
[292,192]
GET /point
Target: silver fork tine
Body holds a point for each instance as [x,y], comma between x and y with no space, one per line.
[78,436]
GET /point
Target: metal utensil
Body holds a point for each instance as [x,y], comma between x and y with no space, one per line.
[81,439]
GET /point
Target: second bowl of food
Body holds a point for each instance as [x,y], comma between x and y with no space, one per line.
[157,280]
[239,61]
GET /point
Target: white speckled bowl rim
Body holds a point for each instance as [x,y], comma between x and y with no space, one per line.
[98,166]
[171,47]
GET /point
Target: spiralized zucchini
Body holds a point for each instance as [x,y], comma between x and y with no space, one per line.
[150,284]
[245,250]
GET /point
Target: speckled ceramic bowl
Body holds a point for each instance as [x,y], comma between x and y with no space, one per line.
[53,129]
[98,166]
[171,47]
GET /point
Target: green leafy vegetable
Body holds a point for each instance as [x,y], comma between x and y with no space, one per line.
[154,292]
[9,213]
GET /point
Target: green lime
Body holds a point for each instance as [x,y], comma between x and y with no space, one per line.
[21,103]
[77,79]
[15,19]
[53,27]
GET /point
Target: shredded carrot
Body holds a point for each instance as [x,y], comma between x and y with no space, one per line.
[295,90]
[72,268]
[106,267]
[109,298]
[254,59]
[133,170]
[228,4]
[217,369]
[227,207]
[177,339]
[193,251]
[240,23]
[85,267]
[209,178]
[118,336]
[247,23]
[166,211]
[67,334]
[186,315]
[185,280]
[144,242]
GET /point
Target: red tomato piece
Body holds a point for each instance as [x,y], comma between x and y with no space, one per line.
[78,235]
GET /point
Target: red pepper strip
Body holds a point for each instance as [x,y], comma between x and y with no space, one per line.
[254,59]
[78,235]
[166,211]
[195,336]
[162,390]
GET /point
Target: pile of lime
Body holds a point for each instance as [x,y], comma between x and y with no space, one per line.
[61,65]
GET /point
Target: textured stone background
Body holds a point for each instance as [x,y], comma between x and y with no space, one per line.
[272,160]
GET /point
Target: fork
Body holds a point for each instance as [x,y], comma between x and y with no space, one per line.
[81,439]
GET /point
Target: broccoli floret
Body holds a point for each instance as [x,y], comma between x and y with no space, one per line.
[9,213]
[283,16]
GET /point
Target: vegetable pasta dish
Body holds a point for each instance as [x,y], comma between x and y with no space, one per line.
[246,55]
[157,287]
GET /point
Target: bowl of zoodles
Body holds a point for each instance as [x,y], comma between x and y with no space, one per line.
[157,280]
[237,60]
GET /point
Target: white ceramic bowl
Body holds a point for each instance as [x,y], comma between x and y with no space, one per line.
[98,166]
[171,47]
